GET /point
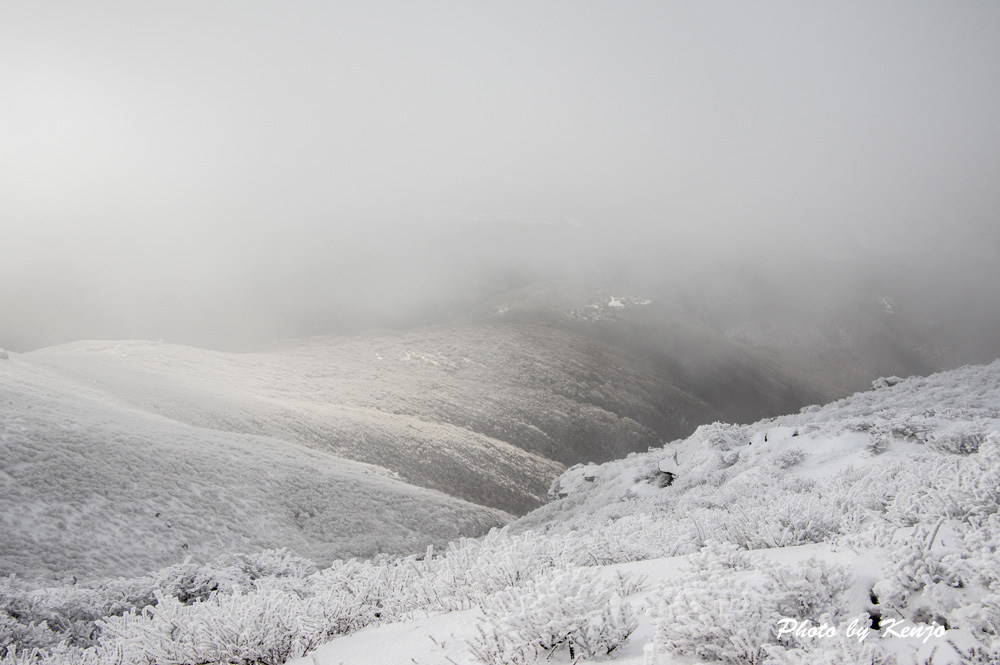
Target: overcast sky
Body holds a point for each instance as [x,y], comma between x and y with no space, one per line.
[161,151]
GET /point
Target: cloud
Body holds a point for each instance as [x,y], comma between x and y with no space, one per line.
[172,151]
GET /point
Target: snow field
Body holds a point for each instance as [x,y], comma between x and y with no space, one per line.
[884,507]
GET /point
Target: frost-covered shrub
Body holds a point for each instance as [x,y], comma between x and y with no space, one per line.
[981,654]
[635,537]
[885,382]
[727,624]
[726,609]
[189,582]
[812,589]
[928,583]
[27,636]
[275,563]
[494,646]
[915,567]
[788,521]
[33,618]
[479,568]
[911,428]
[985,627]
[574,609]
[723,436]
[43,618]
[789,458]
[265,627]
[963,439]
[716,559]
[884,429]
[759,508]
[60,654]
[981,552]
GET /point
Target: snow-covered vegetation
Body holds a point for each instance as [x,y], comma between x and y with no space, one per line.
[865,531]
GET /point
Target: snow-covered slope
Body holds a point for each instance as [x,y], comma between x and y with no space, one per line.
[326,397]
[724,475]
[485,413]
[875,519]
[883,507]
[735,382]
[91,486]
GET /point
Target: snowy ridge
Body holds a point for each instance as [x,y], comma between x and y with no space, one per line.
[865,531]
[484,414]
[907,424]
[481,413]
[91,487]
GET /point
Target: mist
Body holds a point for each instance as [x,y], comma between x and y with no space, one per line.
[233,173]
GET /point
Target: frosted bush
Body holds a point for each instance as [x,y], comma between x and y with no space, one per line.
[574,609]
[27,636]
[265,627]
[933,584]
[786,521]
[885,382]
[985,627]
[494,646]
[43,618]
[717,558]
[727,624]
[725,609]
[915,567]
[723,436]
[57,655]
[981,552]
[789,458]
[963,439]
[479,568]
[274,563]
[811,589]
[190,582]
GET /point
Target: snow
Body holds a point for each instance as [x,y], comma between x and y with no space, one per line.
[440,639]
[882,504]
[93,486]
[432,639]
[495,403]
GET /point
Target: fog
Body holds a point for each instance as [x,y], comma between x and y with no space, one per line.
[229,173]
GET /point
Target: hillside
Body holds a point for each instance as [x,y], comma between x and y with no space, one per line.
[863,531]
[484,411]
[736,381]
[487,410]
[276,446]
[91,487]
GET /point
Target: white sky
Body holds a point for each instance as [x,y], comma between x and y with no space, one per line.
[164,147]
